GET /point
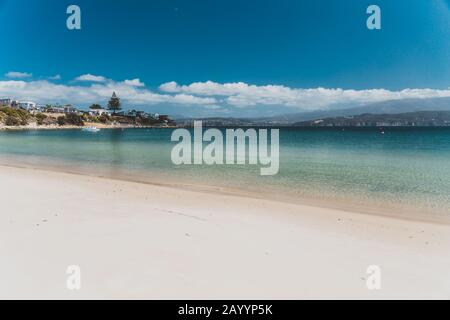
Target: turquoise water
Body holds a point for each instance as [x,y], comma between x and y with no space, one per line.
[405,166]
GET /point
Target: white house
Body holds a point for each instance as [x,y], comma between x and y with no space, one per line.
[5,102]
[9,102]
[99,112]
[27,105]
[57,109]
[70,109]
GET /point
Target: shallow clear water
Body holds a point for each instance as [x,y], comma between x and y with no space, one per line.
[408,166]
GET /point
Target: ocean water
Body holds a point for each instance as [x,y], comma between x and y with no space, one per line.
[405,167]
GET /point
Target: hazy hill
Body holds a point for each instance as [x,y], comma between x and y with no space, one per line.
[418,118]
[386,107]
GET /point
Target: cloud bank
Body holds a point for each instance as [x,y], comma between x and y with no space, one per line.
[132,92]
[209,95]
[240,94]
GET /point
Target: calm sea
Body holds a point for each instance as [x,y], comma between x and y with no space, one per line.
[405,167]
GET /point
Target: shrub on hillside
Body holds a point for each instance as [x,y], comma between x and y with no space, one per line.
[61,120]
[12,121]
[20,116]
[70,119]
[104,118]
[40,118]
[74,119]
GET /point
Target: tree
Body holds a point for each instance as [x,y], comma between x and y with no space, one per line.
[95,106]
[12,121]
[74,119]
[61,120]
[114,103]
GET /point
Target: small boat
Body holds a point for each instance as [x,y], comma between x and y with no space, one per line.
[90,129]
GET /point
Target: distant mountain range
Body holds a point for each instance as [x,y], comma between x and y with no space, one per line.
[384,108]
[418,118]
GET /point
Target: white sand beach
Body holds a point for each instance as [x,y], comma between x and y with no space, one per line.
[134,240]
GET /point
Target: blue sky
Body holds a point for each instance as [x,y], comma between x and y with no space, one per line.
[211,57]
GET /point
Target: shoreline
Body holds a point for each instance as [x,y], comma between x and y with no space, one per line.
[69,127]
[159,242]
[403,212]
[104,126]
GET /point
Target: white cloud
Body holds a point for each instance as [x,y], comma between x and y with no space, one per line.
[134,83]
[209,95]
[44,91]
[240,94]
[91,78]
[55,77]
[170,87]
[18,75]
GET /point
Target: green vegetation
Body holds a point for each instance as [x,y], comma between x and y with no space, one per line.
[104,119]
[71,119]
[12,121]
[40,117]
[18,117]
[14,117]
